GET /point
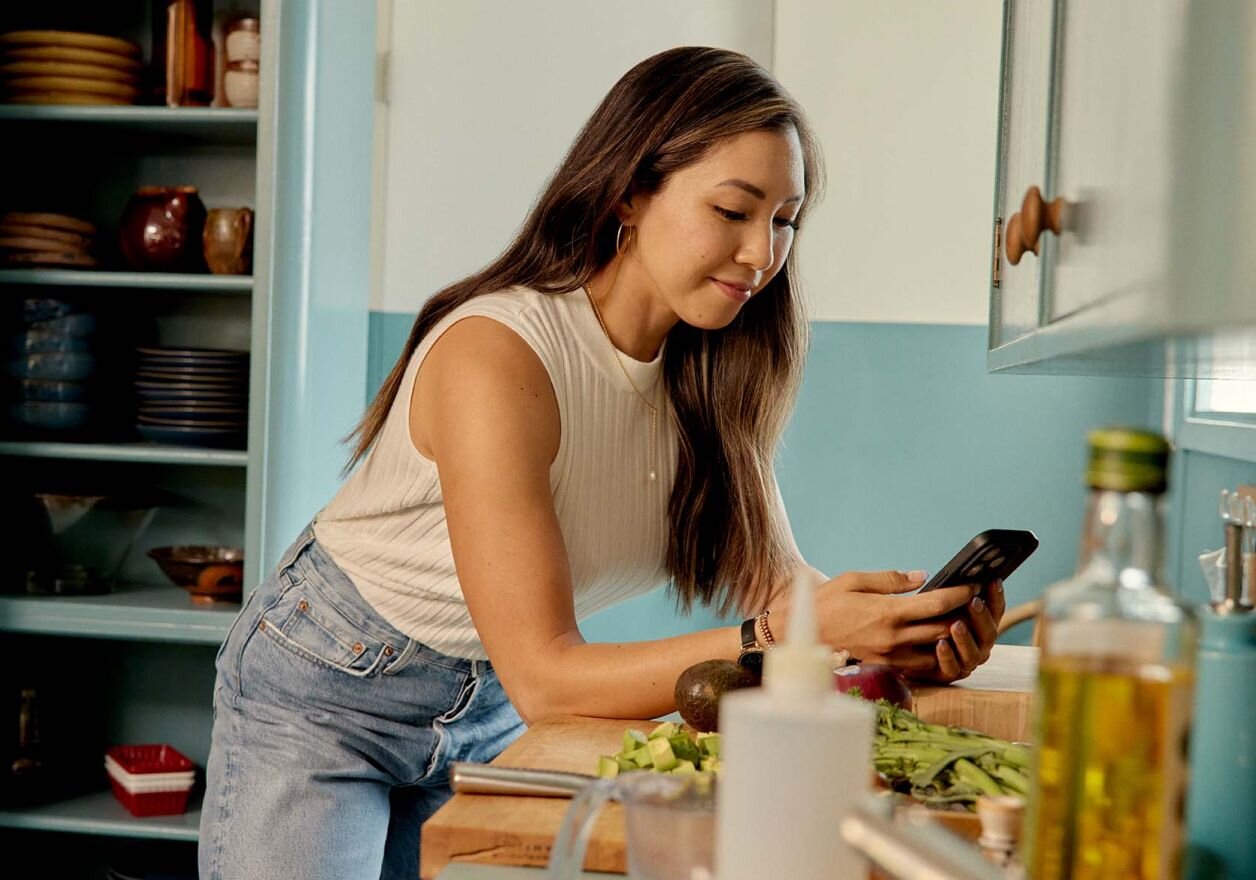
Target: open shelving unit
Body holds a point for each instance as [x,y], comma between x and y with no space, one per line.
[92,158]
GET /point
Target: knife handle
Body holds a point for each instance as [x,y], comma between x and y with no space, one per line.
[470,778]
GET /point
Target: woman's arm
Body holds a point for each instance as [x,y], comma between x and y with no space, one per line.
[484,410]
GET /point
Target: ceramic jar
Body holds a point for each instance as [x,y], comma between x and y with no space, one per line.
[228,241]
[160,229]
[239,84]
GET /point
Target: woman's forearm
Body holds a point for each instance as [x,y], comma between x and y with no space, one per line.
[633,680]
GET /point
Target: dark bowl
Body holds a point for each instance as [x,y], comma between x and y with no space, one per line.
[209,573]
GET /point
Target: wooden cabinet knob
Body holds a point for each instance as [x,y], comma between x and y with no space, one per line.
[1026,227]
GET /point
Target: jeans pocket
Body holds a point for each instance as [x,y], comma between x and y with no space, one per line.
[305,623]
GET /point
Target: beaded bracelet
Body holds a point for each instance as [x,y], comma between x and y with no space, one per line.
[762,621]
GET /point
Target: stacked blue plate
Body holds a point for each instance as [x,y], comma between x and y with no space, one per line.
[50,361]
[193,396]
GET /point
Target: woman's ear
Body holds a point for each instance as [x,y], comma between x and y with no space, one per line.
[631,206]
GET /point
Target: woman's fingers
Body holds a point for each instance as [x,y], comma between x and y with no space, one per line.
[881,581]
[949,668]
[997,600]
[911,634]
[934,603]
[984,628]
[911,660]
[966,647]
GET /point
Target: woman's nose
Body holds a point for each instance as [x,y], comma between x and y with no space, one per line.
[758,249]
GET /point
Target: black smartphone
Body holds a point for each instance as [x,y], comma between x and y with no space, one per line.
[994,554]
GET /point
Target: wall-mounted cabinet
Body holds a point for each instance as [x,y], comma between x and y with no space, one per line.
[1122,190]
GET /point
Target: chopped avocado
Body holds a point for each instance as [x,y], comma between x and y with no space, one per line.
[709,744]
[625,765]
[711,765]
[641,757]
[661,752]
[607,767]
[633,739]
[664,730]
[684,768]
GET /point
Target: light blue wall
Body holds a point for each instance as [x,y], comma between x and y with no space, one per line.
[902,447]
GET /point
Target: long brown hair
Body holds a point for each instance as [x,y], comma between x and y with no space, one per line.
[731,390]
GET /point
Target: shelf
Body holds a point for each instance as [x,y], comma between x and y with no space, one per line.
[131,280]
[137,453]
[100,813]
[213,125]
[162,613]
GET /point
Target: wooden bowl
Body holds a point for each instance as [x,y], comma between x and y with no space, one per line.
[210,574]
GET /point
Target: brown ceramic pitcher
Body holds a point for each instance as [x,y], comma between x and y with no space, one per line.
[228,241]
[160,229]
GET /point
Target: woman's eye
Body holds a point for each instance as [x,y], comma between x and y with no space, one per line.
[729,215]
[738,216]
[784,222]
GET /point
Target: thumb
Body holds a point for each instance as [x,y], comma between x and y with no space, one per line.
[888,581]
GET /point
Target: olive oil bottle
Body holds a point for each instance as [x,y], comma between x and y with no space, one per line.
[1115,685]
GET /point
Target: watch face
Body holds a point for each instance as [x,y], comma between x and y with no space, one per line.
[752,659]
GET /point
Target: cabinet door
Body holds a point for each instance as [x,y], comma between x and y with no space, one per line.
[1116,65]
[1023,114]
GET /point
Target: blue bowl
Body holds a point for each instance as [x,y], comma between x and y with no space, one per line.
[33,341]
[46,389]
[49,415]
[73,366]
[82,324]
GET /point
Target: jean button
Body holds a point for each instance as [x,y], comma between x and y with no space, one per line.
[388,651]
[357,648]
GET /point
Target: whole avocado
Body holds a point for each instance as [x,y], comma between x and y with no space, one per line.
[699,688]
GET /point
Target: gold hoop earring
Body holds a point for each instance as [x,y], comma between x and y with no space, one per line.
[619,249]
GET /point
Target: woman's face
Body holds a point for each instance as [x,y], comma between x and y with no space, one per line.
[718,230]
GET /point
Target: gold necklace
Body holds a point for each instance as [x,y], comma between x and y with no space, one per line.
[653,408]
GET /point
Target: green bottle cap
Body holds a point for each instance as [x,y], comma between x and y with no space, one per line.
[1128,460]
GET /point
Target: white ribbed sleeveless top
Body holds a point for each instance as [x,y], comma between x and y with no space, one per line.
[386,525]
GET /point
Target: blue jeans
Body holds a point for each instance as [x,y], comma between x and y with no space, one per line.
[333,732]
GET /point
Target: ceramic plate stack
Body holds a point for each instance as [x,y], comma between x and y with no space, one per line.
[67,67]
[30,240]
[193,396]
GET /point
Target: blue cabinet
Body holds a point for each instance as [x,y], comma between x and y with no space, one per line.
[1123,190]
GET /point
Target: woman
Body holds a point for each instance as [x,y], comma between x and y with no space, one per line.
[593,414]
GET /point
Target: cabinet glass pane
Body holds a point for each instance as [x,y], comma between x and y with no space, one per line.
[1022,155]
[1116,69]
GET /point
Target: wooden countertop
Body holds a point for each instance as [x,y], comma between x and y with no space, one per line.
[493,830]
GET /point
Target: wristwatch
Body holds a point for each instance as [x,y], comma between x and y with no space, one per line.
[751,656]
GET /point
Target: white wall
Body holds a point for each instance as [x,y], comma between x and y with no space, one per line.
[904,97]
[486,97]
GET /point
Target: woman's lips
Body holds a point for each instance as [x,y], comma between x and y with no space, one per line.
[736,294]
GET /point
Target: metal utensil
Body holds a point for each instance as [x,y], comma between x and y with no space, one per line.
[1239,515]
[470,778]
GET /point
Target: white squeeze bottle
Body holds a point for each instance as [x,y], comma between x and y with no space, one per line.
[796,759]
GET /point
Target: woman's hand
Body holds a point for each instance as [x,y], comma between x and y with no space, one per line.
[971,640]
[860,612]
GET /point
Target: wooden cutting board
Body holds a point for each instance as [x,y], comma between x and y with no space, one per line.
[492,830]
